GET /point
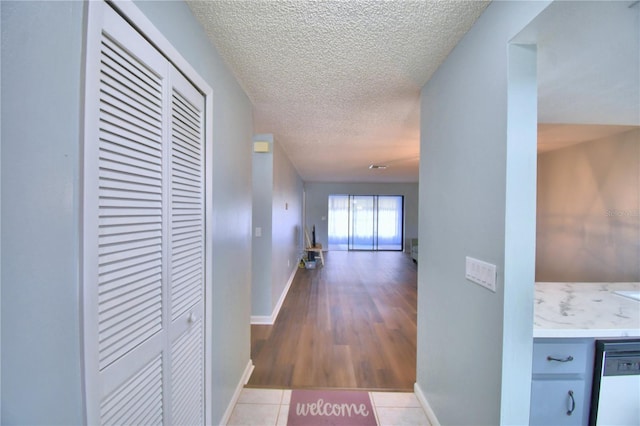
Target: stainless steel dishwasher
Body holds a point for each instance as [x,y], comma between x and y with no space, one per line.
[615,397]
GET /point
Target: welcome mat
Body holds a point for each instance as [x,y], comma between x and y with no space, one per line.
[338,408]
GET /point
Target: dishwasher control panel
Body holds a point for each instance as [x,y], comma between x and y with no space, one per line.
[621,366]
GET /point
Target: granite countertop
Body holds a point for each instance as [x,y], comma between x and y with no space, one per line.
[585,310]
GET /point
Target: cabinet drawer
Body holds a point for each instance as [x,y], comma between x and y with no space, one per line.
[564,357]
[551,403]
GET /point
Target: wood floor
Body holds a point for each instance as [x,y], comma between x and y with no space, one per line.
[350,324]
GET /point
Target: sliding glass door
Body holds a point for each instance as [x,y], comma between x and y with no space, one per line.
[365,222]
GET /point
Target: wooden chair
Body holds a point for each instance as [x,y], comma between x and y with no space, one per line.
[316,249]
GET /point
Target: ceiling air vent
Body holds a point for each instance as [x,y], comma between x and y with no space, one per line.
[377,166]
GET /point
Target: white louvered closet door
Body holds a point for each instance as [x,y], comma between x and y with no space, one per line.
[144,251]
[187,252]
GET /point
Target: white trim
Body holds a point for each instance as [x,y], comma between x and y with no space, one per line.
[270,320]
[431,416]
[236,395]
[88,214]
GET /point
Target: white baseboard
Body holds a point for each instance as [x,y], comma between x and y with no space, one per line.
[243,381]
[431,416]
[269,320]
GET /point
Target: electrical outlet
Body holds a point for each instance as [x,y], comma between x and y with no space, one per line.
[481,273]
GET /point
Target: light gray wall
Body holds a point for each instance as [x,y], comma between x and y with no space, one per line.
[277,210]
[42,82]
[41,91]
[287,222]
[262,218]
[317,204]
[232,127]
[474,346]
[589,211]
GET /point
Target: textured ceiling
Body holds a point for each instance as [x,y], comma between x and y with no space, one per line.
[338,82]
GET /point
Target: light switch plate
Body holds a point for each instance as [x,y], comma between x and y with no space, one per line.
[481,273]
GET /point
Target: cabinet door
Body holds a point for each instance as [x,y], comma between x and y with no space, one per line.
[559,402]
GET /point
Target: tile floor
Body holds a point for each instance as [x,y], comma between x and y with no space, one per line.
[270,407]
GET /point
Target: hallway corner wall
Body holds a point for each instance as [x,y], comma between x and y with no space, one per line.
[277,237]
[468,208]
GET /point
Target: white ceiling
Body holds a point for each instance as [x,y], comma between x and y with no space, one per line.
[588,70]
[338,82]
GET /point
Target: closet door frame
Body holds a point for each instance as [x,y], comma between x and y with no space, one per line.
[145,27]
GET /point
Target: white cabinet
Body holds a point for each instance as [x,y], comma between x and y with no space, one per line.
[561,382]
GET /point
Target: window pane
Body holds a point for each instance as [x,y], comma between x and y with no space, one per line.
[363,225]
[389,222]
[338,222]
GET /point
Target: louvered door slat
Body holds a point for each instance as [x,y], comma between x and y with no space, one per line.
[105,222]
[186,112]
[136,398]
[137,74]
[187,239]
[122,400]
[129,172]
[108,177]
[112,347]
[109,131]
[130,187]
[126,126]
[145,308]
[120,274]
[185,181]
[125,152]
[186,120]
[186,136]
[186,149]
[112,83]
[133,235]
[182,188]
[186,377]
[128,116]
[187,163]
[117,102]
[134,147]
[126,255]
[186,130]
[141,297]
[126,155]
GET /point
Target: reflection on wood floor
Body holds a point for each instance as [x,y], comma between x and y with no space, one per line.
[349,324]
